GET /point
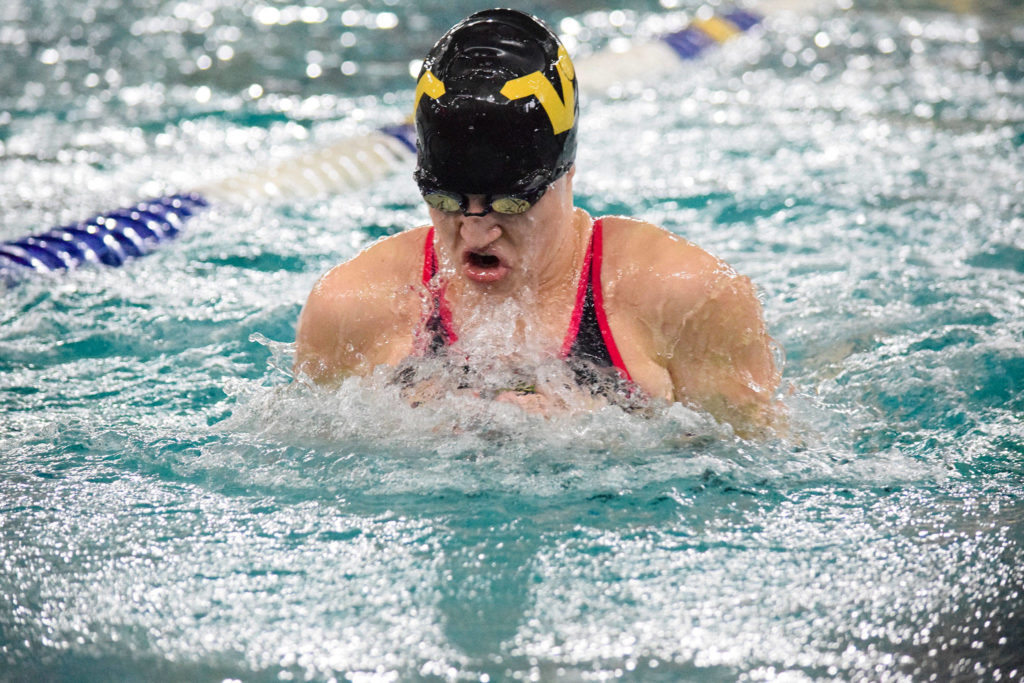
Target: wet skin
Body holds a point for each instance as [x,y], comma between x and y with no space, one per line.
[689,328]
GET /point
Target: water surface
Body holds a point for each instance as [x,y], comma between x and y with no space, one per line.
[172,506]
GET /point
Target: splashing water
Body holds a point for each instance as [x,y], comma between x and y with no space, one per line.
[174,505]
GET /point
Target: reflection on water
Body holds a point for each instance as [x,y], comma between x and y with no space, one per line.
[173,506]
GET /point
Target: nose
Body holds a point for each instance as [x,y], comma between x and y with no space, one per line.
[478,232]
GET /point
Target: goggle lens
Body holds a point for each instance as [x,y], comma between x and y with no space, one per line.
[508,204]
[443,201]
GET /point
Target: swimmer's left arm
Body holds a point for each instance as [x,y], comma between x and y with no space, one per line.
[722,358]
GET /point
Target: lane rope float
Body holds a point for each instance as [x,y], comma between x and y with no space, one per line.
[109,239]
[122,234]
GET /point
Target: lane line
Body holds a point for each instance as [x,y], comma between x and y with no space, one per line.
[128,232]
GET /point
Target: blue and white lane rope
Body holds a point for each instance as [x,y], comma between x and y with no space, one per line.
[601,71]
[109,239]
[115,237]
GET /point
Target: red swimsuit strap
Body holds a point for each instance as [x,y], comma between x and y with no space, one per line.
[590,282]
[441,313]
[581,295]
[590,279]
[429,258]
[602,316]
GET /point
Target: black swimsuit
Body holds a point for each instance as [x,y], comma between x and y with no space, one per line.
[589,338]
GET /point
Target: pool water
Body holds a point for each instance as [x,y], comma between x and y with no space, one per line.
[173,506]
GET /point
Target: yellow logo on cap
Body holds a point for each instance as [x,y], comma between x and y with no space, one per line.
[428,85]
[561,110]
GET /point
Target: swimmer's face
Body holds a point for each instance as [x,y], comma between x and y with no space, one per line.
[504,252]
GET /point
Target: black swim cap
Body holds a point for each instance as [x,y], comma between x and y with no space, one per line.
[496,107]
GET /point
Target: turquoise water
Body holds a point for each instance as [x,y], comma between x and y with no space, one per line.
[173,507]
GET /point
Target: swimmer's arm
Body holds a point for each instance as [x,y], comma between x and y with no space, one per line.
[326,336]
[723,360]
[347,326]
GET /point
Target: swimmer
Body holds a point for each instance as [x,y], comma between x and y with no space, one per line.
[496,112]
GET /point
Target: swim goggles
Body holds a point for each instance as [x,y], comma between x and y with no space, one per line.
[455,202]
[513,203]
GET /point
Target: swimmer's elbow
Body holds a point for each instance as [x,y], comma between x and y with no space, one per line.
[736,399]
[745,395]
[760,418]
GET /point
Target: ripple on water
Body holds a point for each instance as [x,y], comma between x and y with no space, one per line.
[174,508]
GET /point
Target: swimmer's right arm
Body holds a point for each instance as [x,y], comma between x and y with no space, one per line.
[329,338]
[359,315]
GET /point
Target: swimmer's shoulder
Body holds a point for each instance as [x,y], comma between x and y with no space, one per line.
[359,312]
[702,322]
[652,268]
[392,260]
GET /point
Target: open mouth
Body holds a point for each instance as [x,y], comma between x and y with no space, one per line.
[484,268]
[483,260]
